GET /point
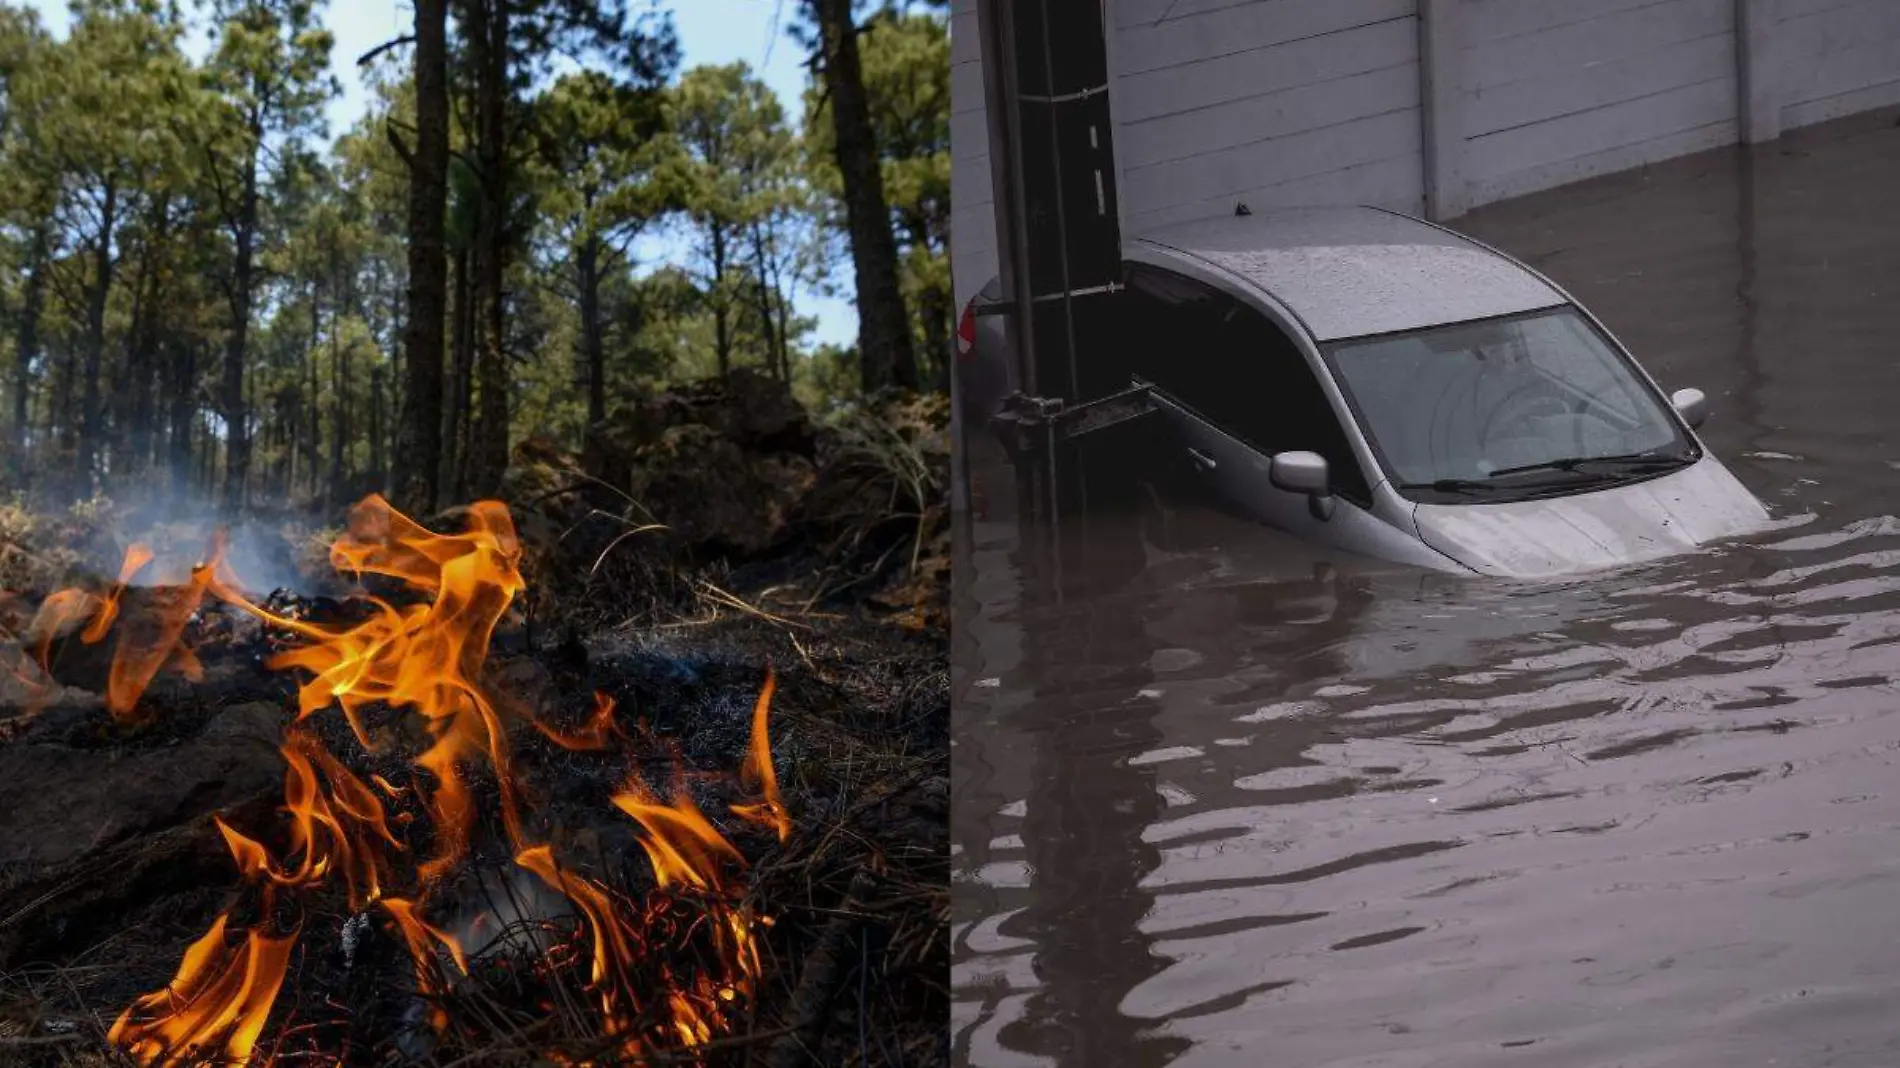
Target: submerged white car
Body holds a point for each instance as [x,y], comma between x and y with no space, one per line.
[1381,384]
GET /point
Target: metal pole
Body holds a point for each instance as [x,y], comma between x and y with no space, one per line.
[998,40]
[1054,104]
[959,462]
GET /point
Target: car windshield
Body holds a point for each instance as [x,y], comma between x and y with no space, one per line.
[1538,400]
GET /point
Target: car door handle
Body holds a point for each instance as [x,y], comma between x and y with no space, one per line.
[1202,460]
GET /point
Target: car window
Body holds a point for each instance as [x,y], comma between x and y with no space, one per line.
[1236,368]
[1472,401]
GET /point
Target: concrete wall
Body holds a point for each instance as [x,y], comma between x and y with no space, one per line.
[1557,90]
[1835,57]
[1433,105]
[1271,103]
[972,200]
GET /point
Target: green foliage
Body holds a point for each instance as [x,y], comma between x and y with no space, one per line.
[731,172]
[664,226]
[906,62]
[826,382]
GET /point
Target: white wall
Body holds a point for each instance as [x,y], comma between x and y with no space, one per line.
[1836,57]
[1558,90]
[1431,105]
[972,201]
[1271,102]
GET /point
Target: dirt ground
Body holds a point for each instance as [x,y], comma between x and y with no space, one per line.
[820,552]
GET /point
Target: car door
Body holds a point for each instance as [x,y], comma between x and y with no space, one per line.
[1238,390]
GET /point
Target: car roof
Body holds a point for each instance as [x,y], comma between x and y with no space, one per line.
[1352,271]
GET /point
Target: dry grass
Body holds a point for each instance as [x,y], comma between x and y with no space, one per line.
[856,963]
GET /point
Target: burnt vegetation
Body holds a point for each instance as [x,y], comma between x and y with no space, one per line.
[111,861]
[673,785]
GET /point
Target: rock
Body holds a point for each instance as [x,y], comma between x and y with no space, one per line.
[757,414]
[748,408]
[713,493]
[254,721]
[734,469]
[537,475]
[64,802]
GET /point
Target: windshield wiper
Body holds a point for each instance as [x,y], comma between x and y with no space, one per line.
[1626,462]
[1451,485]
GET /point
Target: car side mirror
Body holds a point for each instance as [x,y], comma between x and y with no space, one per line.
[1304,472]
[1692,405]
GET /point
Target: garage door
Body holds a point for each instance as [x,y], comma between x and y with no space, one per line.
[1557,90]
[1270,102]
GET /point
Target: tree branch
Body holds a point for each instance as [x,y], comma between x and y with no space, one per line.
[369,57]
[395,142]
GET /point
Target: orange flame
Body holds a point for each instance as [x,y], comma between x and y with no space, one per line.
[597,733]
[689,854]
[613,939]
[428,657]
[222,994]
[421,939]
[684,848]
[136,557]
[340,828]
[215,1008]
[148,642]
[758,772]
[57,615]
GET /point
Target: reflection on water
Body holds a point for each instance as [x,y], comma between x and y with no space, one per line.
[1221,799]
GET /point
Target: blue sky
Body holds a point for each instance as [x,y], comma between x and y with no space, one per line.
[710,31]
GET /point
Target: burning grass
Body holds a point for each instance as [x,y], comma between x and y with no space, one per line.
[487,846]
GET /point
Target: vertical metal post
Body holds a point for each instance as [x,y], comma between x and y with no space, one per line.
[959,463]
[1051,100]
[998,41]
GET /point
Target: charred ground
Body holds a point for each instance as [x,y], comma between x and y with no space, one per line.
[702,535]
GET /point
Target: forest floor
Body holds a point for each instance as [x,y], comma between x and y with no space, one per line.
[701,537]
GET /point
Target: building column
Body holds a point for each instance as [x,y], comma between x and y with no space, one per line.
[1441,60]
[1757,75]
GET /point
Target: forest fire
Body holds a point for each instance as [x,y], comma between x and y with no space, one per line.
[422,654]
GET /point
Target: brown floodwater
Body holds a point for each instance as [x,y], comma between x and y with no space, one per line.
[1226,799]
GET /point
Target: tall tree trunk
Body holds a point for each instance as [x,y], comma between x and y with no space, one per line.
[208,477]
[933,314]
[458,419]
[489,457]
[293,450]
[376,423]
[181,374]
[346,428]
[884,349]
[935,308]
[336,493]
[60,424]
[251,404]
[231,400]
[91,408]
[782,312]
[314,438]
[123,398]
[762,292]
[722,328]
[143,413]
[393,390]
[593,344]
[138,402]
[26,350]
[418,452]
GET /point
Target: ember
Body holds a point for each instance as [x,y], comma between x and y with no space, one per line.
[425,657]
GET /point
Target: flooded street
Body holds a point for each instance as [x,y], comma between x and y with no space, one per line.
[1223,799]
